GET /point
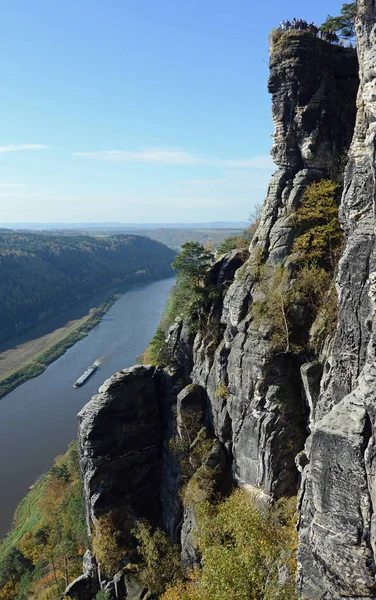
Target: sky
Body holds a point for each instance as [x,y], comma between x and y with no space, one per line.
[137,110]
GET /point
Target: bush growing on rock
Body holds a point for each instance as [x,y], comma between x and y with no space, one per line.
[222,392]
[160,559]
[242,548]
[276,307]
[322,238]
[309,279]
[107,549]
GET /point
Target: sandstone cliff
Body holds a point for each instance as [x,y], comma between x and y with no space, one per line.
[337,524]
[273,415]
[262,419]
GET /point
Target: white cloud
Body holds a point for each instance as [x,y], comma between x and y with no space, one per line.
[10,185]
[175,158]
[57,196]
[156,156]
[18,147]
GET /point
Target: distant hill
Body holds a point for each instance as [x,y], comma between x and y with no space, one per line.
[172,236]
[41,275]
[124,226]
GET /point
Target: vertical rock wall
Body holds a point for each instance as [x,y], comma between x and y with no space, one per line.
[119,441]
[338,495]
[258,407]
[262,405]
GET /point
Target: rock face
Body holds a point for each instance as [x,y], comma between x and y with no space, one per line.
[338,501]
[257,400]
[281,421]
[119,438]
[86,585]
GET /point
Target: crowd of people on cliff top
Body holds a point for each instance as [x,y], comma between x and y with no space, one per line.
[301,25]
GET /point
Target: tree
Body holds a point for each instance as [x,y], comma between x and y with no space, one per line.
[107,549]
[275,308]
[322,236]
[13,566]
[344,24]
[61,472]
[158,351]
[192,293]
[192,264]
[242,548]
[161,562]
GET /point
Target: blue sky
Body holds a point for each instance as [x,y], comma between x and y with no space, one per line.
[137,110]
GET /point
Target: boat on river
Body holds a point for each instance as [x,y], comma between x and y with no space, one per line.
[85,376]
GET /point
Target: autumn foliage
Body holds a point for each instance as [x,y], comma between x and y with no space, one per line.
[43,551]
[242,548]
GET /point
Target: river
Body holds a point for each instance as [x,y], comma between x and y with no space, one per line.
[39,418]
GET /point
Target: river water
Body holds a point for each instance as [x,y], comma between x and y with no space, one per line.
[39,418]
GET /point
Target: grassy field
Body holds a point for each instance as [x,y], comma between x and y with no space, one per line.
[30,359]
[17,357]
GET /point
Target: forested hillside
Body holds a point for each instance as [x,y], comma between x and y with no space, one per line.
[42,275]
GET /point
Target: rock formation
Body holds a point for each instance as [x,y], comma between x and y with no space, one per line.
[261,416]
[280,421]
[337,524]
[119,439]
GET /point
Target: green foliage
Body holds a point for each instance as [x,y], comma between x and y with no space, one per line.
[13,565]
[239,242]
[49,532]
[190,424]
[44,274]
[275,310]
[322,237]
[192,292]
[158,352]
[309,280]
[242,547]
[106,545]
[10,383]
[192,446]
[192,263]
[24,585]
[61,472]
[317,289]
[156,348]
[101,596]
[312,287]
[160,558]
[202,485]
[344,24]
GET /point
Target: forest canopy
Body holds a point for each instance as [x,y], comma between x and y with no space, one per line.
[42,275]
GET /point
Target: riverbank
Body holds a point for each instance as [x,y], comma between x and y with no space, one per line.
[64,338]
[149,356]
[39,418]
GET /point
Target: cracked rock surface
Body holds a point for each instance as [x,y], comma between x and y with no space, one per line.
[338,492]
[258,406]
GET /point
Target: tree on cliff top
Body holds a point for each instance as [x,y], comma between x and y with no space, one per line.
[344,24]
